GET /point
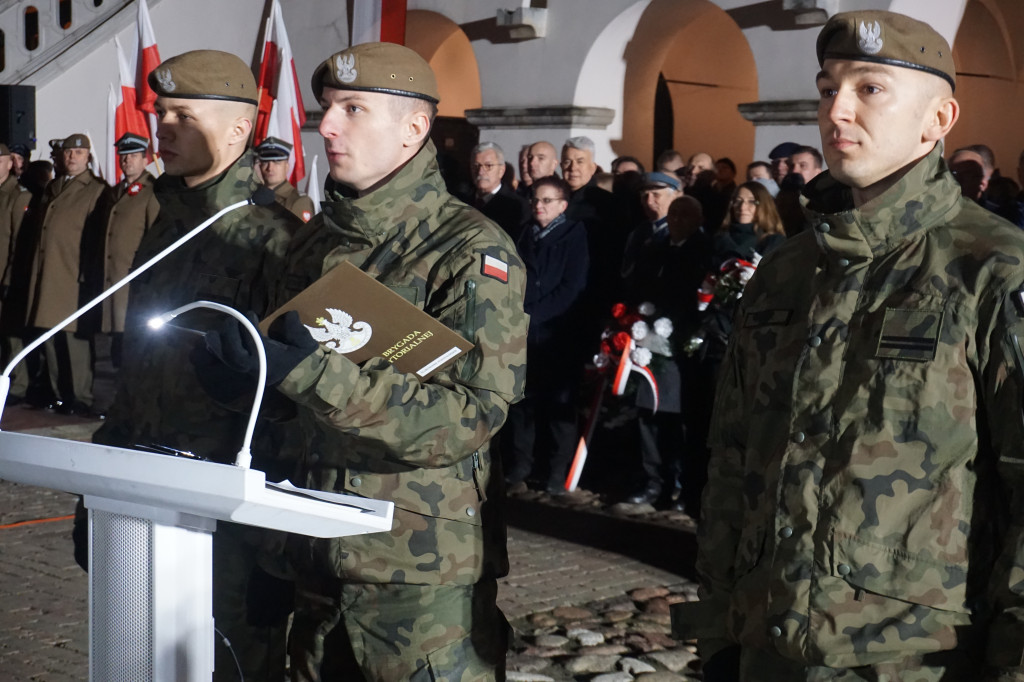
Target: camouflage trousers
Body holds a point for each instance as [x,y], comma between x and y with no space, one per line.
[945,666]
[397,633]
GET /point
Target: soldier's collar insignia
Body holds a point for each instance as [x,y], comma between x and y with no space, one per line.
[163,76]
[345,68]
[870,37]
[494,268]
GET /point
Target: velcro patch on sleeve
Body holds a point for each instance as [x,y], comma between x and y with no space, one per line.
[495,268]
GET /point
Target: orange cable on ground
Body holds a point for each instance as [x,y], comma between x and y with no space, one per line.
[32,521]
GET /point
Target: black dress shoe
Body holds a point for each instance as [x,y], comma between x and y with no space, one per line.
[649,495]
[74,408]
[56,406]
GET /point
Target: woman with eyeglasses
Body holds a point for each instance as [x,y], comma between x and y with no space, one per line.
[751,225]
[542,426]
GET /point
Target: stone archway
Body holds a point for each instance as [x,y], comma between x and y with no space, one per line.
[706,63]
[990,80]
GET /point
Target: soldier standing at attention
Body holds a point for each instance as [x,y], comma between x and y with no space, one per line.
[273,154]
[418,602]
[863,519]
[70,234]
[205,107]
[133,208]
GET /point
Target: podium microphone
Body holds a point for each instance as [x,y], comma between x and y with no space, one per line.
[263,196]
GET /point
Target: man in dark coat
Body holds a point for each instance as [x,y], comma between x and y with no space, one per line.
[492,197]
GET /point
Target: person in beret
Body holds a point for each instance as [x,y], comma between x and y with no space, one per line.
[273,154]
[864,517]
[131,209]
[67,238]
[205,109]
[418,602]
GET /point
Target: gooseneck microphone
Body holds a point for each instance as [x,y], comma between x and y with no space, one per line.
[261,197]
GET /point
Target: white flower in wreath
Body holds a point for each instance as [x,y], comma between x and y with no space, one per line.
[601,360]
[663,327]
[641,356]
[646,308]
[639,330]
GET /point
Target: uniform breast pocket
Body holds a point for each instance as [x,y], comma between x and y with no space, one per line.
[217,288]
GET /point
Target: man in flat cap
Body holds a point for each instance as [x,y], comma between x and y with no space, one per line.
[205,107]
[273,154]
[131,209]
[67,238]
[417,602]
[863,519]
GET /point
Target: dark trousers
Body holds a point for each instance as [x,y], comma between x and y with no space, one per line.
[539,430]
[661,449]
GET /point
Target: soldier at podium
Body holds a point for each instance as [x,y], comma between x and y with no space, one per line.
[206,106]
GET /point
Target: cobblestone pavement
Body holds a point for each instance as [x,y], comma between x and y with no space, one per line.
[569,553]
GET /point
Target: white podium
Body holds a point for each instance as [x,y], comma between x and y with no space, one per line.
[151,520]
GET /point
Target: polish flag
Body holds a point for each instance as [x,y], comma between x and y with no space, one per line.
[281,113]
[378,21]
[113,174]
[147,58]
[128,117]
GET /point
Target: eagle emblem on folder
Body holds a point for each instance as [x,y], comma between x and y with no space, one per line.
[340,333]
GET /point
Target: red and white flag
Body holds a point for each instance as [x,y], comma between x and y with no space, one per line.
[378,20]
[281,113]
[128,117]
[147,58]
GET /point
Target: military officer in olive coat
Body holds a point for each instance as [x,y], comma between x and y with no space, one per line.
[69,228]
[132,209]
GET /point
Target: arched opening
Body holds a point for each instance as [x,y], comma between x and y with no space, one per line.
[31,28]
[64,14]
[446,47]
[704,65]
[989,80]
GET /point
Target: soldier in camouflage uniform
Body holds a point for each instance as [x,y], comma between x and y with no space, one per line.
[863,518]
[416,603]
[206,105]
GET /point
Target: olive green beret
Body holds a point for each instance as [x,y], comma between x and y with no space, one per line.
[887,38]
[76,141]
[205,74]
[4,151]
[378,67]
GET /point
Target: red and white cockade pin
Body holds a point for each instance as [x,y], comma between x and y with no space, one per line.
[134,188]
[493,267]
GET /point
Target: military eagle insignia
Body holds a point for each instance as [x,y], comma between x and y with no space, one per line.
[345,68]
[163,77]
[340,333]
[870,38]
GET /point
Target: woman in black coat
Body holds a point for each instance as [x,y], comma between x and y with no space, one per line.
[543,425]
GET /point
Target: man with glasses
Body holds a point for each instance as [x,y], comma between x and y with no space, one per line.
[492,197]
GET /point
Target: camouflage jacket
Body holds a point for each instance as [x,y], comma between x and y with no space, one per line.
[375,432]
[864,501]
[159,401]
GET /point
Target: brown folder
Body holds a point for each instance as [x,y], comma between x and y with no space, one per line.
[349,312]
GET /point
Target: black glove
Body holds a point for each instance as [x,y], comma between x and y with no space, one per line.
[724,666]
[288,344]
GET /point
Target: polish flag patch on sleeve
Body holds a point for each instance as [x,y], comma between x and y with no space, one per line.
[493,267]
